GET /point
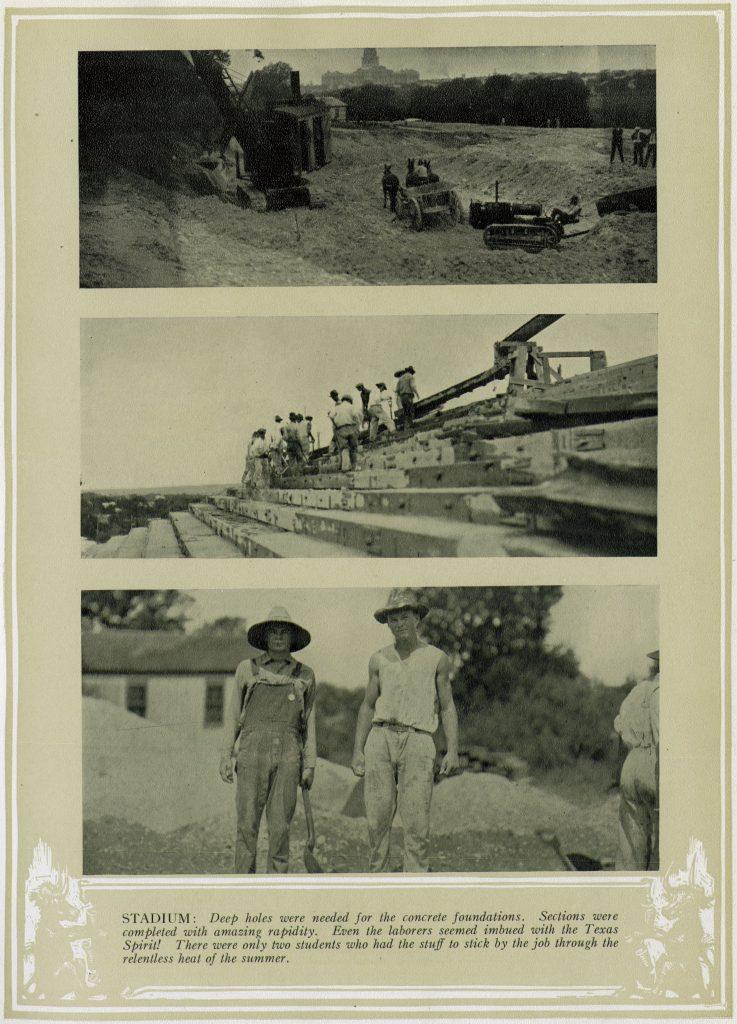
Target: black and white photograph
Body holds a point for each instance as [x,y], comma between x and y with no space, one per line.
[340,730]
[399,436]
[416,165]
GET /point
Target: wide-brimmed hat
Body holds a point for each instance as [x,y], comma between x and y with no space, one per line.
[399,598]
[278,616]
[654,655]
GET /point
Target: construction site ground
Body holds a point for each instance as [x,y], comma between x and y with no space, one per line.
[136,233]
[154,804]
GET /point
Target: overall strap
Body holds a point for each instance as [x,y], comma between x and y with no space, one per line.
[248,688]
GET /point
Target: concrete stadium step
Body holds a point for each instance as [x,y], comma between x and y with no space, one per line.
[465,504]
[198,540]
[161,541]
[256,540]
[107,550]
[134,545]
[380,534]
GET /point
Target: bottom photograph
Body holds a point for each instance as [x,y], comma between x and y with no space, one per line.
[444,729]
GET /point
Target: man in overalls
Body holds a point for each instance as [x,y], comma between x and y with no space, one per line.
[394,751]
[638,724]
[270,732]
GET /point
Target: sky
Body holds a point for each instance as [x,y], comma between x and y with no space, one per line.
[611,629]
[169,402]
[456,61]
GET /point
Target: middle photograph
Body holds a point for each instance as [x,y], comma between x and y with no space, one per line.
[398,436]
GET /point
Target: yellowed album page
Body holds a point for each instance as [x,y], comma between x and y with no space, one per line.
[344,540]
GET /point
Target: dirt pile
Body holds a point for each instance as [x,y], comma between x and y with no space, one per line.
[134,233]
[154,805]
[165,776]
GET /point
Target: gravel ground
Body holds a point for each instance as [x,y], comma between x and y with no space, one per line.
[138,234]
[153,805]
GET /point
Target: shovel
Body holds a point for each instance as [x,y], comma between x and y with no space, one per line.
[571,861]
[311,863]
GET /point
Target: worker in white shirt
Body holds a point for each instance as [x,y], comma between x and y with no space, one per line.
[303,435]
[277,446]
[347,422]
[380,412]
[638,724]
[256,475]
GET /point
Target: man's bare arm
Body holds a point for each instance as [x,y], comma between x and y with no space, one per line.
[365,717]
[232,729]
[448,716]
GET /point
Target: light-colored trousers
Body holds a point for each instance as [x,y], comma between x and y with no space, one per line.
[379,417]
[639,812]
[399,773]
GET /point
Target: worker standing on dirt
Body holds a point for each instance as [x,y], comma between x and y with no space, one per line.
[637,146]
[271,736]
[617,145]
[390,187]
[394,750]
[651,148]
[347,426]
[406,390]
[380,412]
[638,724]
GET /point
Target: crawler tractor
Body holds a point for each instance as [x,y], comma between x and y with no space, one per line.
[514,225]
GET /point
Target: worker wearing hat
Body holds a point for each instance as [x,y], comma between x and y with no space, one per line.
[365,394]
[271,735]
[347,421]
[380,412]
[407,394]
[638,724]
[394,750]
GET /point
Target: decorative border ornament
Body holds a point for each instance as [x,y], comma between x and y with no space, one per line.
[59,928]
[676,959]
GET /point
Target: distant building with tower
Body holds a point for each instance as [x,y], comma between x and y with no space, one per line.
[371,72]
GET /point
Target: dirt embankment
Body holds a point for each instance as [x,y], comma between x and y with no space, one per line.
[153,804]
[134,233]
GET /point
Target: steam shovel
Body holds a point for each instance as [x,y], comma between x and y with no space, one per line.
[311,862]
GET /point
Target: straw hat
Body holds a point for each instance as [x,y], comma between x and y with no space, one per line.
[399,598]
[278,616]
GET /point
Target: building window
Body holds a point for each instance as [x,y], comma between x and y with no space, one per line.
[214,703]
[135,698]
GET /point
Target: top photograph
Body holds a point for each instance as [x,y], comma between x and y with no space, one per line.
[415,165]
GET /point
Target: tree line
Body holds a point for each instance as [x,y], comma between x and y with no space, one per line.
[535,101]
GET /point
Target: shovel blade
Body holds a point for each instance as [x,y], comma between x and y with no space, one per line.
[311,863]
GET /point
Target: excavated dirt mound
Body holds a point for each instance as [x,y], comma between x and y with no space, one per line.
[134,233]
[153,804]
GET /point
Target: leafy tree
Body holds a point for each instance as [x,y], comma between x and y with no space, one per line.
[373,103]
[226,625]
[489,633]
[270,84]
[136,609]
[336,710]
